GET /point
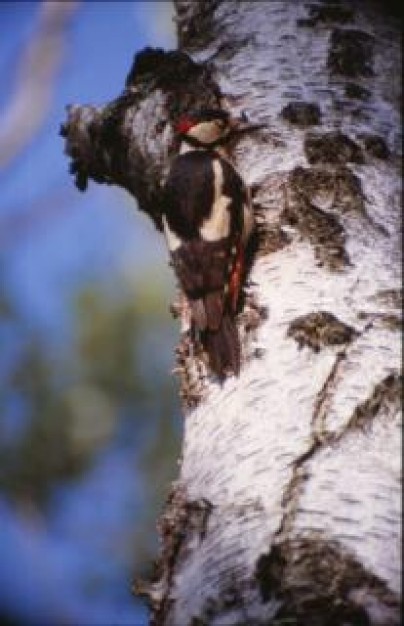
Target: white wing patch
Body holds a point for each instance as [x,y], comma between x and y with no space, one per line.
[217,225]
[173,242]
[248,222]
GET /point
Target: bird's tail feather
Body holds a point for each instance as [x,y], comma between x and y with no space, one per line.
[223,347]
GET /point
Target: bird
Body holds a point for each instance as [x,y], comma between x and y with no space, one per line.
[207,221]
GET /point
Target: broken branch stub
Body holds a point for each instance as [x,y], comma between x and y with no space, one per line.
[129,142]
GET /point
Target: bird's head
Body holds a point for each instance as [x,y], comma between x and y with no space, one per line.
[205,128]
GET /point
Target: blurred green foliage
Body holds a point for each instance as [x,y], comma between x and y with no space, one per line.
[99,390]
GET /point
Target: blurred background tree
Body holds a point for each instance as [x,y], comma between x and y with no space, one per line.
[89,420]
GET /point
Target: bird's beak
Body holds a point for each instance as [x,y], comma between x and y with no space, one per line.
[243,124]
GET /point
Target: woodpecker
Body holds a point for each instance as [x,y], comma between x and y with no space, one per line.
[207,221]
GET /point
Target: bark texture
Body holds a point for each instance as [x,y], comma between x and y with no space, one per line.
[288,505]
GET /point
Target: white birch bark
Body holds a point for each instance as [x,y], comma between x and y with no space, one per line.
[287,507]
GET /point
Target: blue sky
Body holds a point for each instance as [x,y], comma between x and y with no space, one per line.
[52,239]
[51,235]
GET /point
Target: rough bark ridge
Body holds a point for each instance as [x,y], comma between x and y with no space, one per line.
[287,509]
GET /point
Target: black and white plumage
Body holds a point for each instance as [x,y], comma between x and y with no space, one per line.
[207,221]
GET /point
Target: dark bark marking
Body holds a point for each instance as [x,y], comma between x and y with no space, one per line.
[356,92]
[375,146]
[181,521]
[338,188]
[191,369]
[230,48]
[253,314]
[302,114]
[390,297]
[325,584]
[386,395]
[322,229]
[197,621]
[172,529]
[388,320]
[326,14]
[323,399]
[350,53]
[333,147]
[250,319]
[269,238]
[319,329]
[272,239]
[177,75]
[196,26]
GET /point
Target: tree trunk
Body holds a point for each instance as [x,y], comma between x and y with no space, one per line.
[287,508]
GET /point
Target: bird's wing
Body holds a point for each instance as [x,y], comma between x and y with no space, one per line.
[203,223]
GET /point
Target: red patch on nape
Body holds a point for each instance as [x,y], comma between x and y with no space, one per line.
[184,124]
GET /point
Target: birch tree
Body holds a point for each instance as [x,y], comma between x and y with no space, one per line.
[287,505]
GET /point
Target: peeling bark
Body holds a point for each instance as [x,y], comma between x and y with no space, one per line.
[287,507]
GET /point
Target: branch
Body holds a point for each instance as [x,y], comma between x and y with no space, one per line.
[39,65]
[129,141]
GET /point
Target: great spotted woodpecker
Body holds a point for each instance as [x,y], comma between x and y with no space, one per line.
[207,221]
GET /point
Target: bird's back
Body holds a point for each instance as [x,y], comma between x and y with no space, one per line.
[198,179]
